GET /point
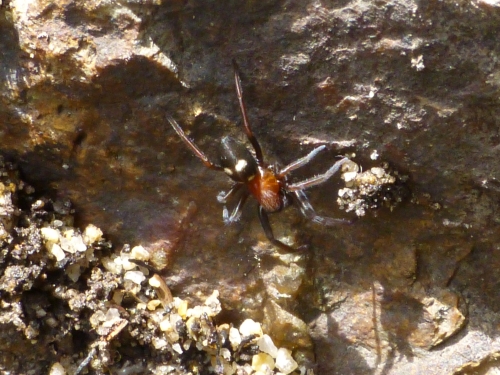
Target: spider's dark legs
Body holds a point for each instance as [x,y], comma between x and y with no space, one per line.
[191,145]
[264,221]
[222,197]
[300,162]
[308,211]
[248,129]
[235,215]
[317,179]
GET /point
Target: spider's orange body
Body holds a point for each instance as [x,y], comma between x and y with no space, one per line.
[265,187]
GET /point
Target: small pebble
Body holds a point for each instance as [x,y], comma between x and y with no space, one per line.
[165,325]
[266,345]
[379,172]
[234,338]
[225,353]
[56,251]
[139,253]
[349,176]
[57,369]
[213,303]
[262,362]
[112,316]
[182,309]
[91,234]
[111,265]
[153,304]
[50,234]
[134,276]
[57,223]
[285,362]
[177,347]
[159,343]
[249,327]
[74,271]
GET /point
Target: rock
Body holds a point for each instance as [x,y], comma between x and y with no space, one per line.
[84,89]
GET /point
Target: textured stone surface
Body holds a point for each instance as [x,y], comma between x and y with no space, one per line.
[84,88]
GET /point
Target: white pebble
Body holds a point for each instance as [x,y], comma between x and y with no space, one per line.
[141,306]
[177,347]
[56,251]
[57,223]
[284,361]
[234,338]
[139,253]
[349,176]
[158,343]
[124,259]
[225,353]
[57,369]
[342,192]
[77,243]
[187,344]
[266,345]
[379,172]
[165,325]
[213,303]
[154,282]
[50,234]
[134,276]
[249,327]
[91,234]
[262,362]
[111,265]
[112,316]
[66,246]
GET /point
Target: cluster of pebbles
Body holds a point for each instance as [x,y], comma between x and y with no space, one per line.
[371,189]
[176,329]
[71,304]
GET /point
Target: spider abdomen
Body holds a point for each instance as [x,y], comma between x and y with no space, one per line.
[265,187]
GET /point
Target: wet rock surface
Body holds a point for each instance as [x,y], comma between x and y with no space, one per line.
[410,286]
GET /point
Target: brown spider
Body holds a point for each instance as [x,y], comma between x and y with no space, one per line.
[267,183]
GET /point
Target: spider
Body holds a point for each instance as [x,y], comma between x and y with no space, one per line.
[267,183]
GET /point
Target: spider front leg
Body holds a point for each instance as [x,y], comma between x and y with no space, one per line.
[235,215]
[191,145]
[308,211]
[266,225]
[300,162]
[222,197]
[248,130]
[316,180]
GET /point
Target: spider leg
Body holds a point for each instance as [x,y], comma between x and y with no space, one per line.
[300,162]
[191,145]
[222,197]
[319,179]
[235,215]
[266,225]
[248,129]
[308,211]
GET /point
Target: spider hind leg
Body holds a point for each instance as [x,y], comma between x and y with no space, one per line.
[308,211]
[266,225]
